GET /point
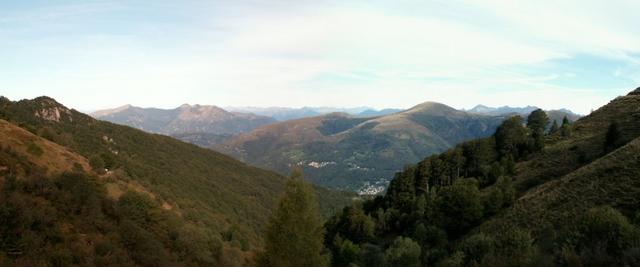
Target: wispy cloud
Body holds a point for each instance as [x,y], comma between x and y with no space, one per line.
[330,53]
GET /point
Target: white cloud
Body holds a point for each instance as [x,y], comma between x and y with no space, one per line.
[458,52]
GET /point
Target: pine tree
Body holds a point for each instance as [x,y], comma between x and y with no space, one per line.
[537,123]
[511,138]
[295,234]
[565,129]
[537,120]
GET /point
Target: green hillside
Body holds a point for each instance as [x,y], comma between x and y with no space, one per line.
[508,201]
[354,153]
[226,197]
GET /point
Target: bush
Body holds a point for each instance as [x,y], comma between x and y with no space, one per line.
[371,256]
[607,228]
[461,206]
[404,252]
[455,260]
[34,149]
[476,247]
[136,208]
[346,252]
[514,247]
[142,246]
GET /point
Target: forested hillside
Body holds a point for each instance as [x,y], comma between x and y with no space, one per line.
[525,196]
[100,170]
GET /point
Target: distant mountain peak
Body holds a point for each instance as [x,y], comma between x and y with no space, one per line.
[204,119]
[635,92]
[106,112]
[482,109]
[431,107]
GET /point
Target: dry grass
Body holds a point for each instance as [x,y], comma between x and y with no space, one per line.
[55,159]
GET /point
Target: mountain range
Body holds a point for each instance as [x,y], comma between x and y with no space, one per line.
[354,153]
[186,119]
[339,149]
[554,115]
[285,114]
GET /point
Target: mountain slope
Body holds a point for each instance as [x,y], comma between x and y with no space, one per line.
[348,152]
[29,150]
[505,200]
[577,174]
[612,180]
[184,119]
[55,211]
[207,188]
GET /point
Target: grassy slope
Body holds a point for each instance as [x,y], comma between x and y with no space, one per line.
[575,174]
[612,180]
[204,186]
[564,155]
[28,149]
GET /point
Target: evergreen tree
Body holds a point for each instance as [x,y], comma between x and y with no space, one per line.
[461,205]
[537,123]
[511,138]
[537,120]
[295,233]
[565,129]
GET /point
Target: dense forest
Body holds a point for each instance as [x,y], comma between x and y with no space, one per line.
[465,207]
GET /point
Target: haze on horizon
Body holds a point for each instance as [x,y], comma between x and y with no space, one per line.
[92,55]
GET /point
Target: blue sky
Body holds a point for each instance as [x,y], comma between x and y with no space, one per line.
[99,54]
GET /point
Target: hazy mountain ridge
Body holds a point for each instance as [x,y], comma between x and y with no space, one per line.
[504,110]
[184,119]
[286,113]
[345,151]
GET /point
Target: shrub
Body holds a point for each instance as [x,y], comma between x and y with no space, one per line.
[34,149]
[477,246]
[404,252]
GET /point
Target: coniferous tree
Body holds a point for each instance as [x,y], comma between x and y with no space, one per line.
[511,138]
[565,128]
[537,123]
[537,120]
[295,233]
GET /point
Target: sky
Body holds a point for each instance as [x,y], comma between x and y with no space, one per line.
[89,55]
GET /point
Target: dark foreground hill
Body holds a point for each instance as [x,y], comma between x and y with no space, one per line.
[65,175]
[506,200]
